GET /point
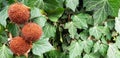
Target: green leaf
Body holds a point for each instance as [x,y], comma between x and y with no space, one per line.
[113,51]
[4,16]
[3,39]
[54,9]
[39,3]
[87,45]
[56,54]
[103,49]
[35,12]
[0,44]
[118,42]
[114,7]
[14,29]
[56,14]
[99,16]
[49,30]
[96,32]
[1,1]
[75,49]
[71,29]
[41,46]
[117,23]
[104,40]
[96,46]
[88,56]
[41,21]
[36,56]
[106,32]
[5,52]
[84,35]
[111,24]
[91,55]
[20,56]
[102,8]
[72,4]
[80,20]
[30,3]
[1,28]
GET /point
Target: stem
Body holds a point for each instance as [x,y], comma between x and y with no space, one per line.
[69,17]
[26,55]
[10,36]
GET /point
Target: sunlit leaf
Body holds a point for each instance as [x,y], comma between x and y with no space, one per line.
[5,52]
[117,23]
[118,42]
[113,51]
[95,32]
[75,49]
[35,12]
[102,8]
[49,30]
[41,46]
[91,55]
[71,28]
[3,16]
[80,20]
[40,20]
[72,4]
[87,45]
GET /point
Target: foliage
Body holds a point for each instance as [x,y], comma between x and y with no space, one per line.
[71,28]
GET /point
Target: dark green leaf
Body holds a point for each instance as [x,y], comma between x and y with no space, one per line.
[56,54]
[56,14]
[111,24]
[54,9]
[14,29]
[114,7]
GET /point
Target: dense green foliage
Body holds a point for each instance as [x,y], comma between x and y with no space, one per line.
[71,28]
